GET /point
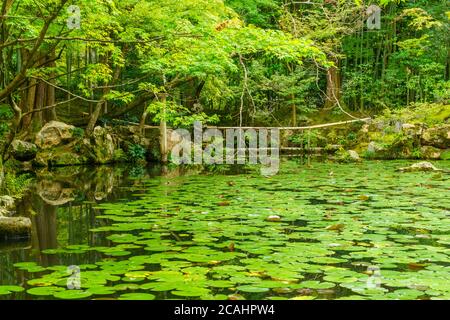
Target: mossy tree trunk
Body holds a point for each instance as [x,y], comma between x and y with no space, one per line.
[333,86]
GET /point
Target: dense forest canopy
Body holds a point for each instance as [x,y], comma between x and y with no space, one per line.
[268,62]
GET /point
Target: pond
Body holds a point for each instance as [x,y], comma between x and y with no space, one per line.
[317,230]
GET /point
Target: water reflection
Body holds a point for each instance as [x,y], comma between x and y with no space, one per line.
[62,206]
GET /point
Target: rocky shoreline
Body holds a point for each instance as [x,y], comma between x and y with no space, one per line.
[417,135]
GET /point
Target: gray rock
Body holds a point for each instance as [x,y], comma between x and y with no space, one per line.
[54,134]
[421,166]
[6,202]
[347,156]
[412,130]
[100,147]
[354,155]
[438,137]
[429,152]
[15,227]
[23,151]
[104,145]
[373,147]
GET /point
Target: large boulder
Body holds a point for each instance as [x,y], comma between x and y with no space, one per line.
[412,130]
[59,157]
[54,134]
[23,151]
[429,152]
[100,147]
[15,227]
[373,150]
[104,145]
[438,137]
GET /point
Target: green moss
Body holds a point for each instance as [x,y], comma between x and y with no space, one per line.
[426,113]
[445,155]
[16,185]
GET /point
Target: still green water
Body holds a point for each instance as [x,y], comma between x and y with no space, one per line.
[345,231]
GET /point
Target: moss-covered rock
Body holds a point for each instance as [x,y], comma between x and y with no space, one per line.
[346,156]
[438,137]
[23,151]
[15,227]
[59,157]
[431,153]
[98,148]
[54,134]
[420,167]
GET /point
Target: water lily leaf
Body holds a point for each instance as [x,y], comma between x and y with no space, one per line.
[101,290]
[137,296]
[10,289]
[44,291]
[254,289]
[191,292]
[317,285]
[72,294]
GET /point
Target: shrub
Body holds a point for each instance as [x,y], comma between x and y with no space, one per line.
[119,155]
[136,152]
[77,133]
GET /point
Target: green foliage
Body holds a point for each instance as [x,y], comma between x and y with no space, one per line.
[400,64]
[445,155]
[309,138]
[16,185]
[5,115]
[120,155]
[178,115]
[230,61]
[136,152]
[422,113]
[77,133]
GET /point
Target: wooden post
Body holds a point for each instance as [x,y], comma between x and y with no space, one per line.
[163,132]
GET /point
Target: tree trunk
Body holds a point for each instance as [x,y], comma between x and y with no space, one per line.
[94,117]
[294,112]
[40,100]
[50,114]
[163,133]
[28,102]
[333,87]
